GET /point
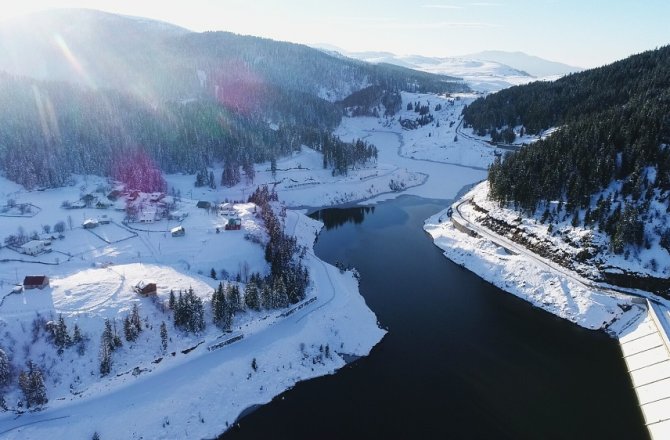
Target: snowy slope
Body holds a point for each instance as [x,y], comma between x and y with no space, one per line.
[536,66]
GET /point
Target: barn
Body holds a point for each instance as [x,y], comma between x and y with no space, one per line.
[35,282]
[145,288]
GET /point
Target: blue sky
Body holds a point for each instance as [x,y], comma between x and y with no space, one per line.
[585,33]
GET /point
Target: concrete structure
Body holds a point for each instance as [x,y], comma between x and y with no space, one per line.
[646,350]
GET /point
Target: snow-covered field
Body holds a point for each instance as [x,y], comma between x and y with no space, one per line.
[177,393]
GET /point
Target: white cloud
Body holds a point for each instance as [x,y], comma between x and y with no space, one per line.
[442,6]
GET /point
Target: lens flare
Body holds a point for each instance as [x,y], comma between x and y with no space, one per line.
[72,59]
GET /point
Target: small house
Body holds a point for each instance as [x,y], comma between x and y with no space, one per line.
[202,204]
[148,215]
[35,282]
[145,288]
[179,231]
[234,224]
[227,210]
[90,223]
[33,247]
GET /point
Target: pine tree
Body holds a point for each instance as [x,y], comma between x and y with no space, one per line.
[172,300]
[79,340]
[233,298]
[251,298]
[31,383]
[5,369]
[61,336]
[221,311]
[164,336]
[212,182]
[106,348]
[107,336]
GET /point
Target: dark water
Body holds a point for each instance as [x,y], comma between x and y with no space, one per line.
[462,359]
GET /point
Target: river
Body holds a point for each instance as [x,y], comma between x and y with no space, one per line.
[461,360]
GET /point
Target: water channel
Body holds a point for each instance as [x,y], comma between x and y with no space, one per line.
[461,360]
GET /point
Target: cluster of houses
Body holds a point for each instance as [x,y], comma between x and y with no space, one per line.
[139,207]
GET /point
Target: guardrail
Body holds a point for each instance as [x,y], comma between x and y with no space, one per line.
[298,307]
[225,342]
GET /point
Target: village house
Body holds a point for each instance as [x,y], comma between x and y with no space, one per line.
[33,247]
[234,224]
[148,215]
[145,288]
[90,223]
[227,210]
[35,282]
[179,231]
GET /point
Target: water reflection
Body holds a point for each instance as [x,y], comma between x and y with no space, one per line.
[336,217]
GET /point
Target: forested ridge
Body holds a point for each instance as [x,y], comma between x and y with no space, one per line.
[614,133]
[189,100]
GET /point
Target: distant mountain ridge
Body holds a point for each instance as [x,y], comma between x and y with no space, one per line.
[535,66]
[100,49]
[489,70]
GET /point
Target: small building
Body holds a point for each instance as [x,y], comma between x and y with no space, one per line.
[148,215]
[234,224]
[203,204]
[179,231]
[90,223]
[35,282]
[145,288]
[227,210]
[33,247]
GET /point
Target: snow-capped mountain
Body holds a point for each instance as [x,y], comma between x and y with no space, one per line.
[484,71]
[536,66]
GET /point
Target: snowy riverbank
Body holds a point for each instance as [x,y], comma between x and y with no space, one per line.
[523,277]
